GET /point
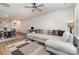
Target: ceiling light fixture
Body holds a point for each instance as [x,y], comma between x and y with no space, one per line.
[35,6]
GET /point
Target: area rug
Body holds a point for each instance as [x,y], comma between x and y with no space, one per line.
[33,49]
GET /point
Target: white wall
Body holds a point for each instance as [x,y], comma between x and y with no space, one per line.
[77,17]
[53,20]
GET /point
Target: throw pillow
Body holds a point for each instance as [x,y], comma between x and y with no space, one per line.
[66,36]
[60,32]
[49,32]
[75,41]
[55,32]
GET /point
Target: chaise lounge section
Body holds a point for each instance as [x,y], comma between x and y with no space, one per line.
[60,47]
[64,46]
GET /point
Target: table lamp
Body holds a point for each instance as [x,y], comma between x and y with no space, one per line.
[71,25]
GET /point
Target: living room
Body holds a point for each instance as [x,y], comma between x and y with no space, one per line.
[26,29]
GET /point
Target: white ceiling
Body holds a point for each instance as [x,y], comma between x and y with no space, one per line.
[17,9]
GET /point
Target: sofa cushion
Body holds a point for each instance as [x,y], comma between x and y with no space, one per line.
[66,36]
[38,37]
[61,45]
[49,32]
[40,31]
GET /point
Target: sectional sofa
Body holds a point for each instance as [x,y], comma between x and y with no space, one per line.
[56,44]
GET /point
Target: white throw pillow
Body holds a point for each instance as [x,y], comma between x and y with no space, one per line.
[71,39]
[33,32]
[66,36]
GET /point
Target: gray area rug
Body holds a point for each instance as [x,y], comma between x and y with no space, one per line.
[32,48]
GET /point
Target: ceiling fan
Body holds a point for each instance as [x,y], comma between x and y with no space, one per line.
[5,4]
[35,7]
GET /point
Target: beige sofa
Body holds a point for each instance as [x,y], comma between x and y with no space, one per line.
[38,37]
[61,46]
[55,44]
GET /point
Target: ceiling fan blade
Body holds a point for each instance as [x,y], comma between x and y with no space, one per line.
[28,7]
[39,9]
[5,4]
[33,10]
[40,5]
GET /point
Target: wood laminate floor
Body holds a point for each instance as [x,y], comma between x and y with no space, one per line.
[4,50]
[3,46]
